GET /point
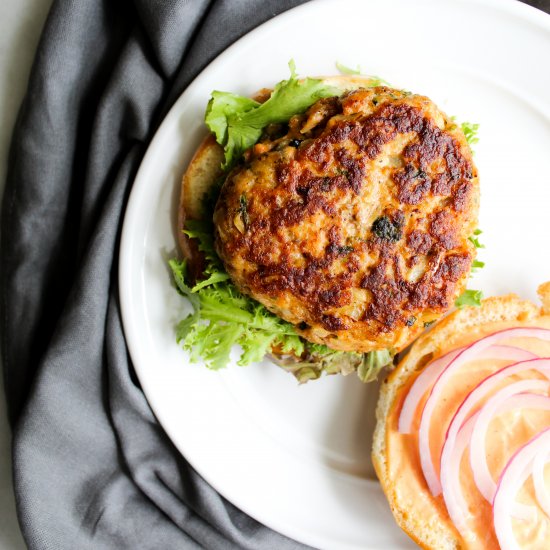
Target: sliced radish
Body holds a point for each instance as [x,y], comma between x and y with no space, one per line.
[430,373]
[467,354]
[478,459]
[539,482]
[450,464]
[512,478]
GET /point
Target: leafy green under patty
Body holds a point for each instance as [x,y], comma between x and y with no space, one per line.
[223,317]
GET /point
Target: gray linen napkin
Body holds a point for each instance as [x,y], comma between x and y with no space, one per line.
[92,468]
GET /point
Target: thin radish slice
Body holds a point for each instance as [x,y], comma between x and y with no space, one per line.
[478,459]
[477,394]
[430,373]
[450,465]
[539,482]
[467,354]
[512,478]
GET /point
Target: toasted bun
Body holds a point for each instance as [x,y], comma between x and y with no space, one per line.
[204,171]
[428,530]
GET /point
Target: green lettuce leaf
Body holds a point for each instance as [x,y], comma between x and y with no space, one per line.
[469,298]
[222,317]
[221,106]
[470,130]
[237,122]
[372,363]
[474,239]
[342,69]
[477,265]
[318,360]
[214,272]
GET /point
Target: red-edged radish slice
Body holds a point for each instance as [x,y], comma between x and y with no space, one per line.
[430,373]
[481,391]
[512,478]
[478,459]
[450,465]
[539,482]
[467,354]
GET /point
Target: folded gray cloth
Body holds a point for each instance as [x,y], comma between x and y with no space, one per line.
[92,467]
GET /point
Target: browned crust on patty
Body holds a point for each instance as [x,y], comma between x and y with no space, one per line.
[358,234]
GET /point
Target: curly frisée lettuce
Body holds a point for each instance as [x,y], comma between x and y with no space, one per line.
[222,317]
[237,121]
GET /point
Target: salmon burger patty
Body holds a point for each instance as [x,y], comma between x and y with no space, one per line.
[353,221]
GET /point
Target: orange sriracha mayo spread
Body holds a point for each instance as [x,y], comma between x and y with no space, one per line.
[506,433]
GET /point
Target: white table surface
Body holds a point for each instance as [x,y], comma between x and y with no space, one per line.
[21,22]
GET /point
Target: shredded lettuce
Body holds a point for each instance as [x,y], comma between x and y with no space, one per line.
[223,317]
[237,122]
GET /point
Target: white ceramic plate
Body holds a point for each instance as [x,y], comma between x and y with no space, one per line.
[297,458]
